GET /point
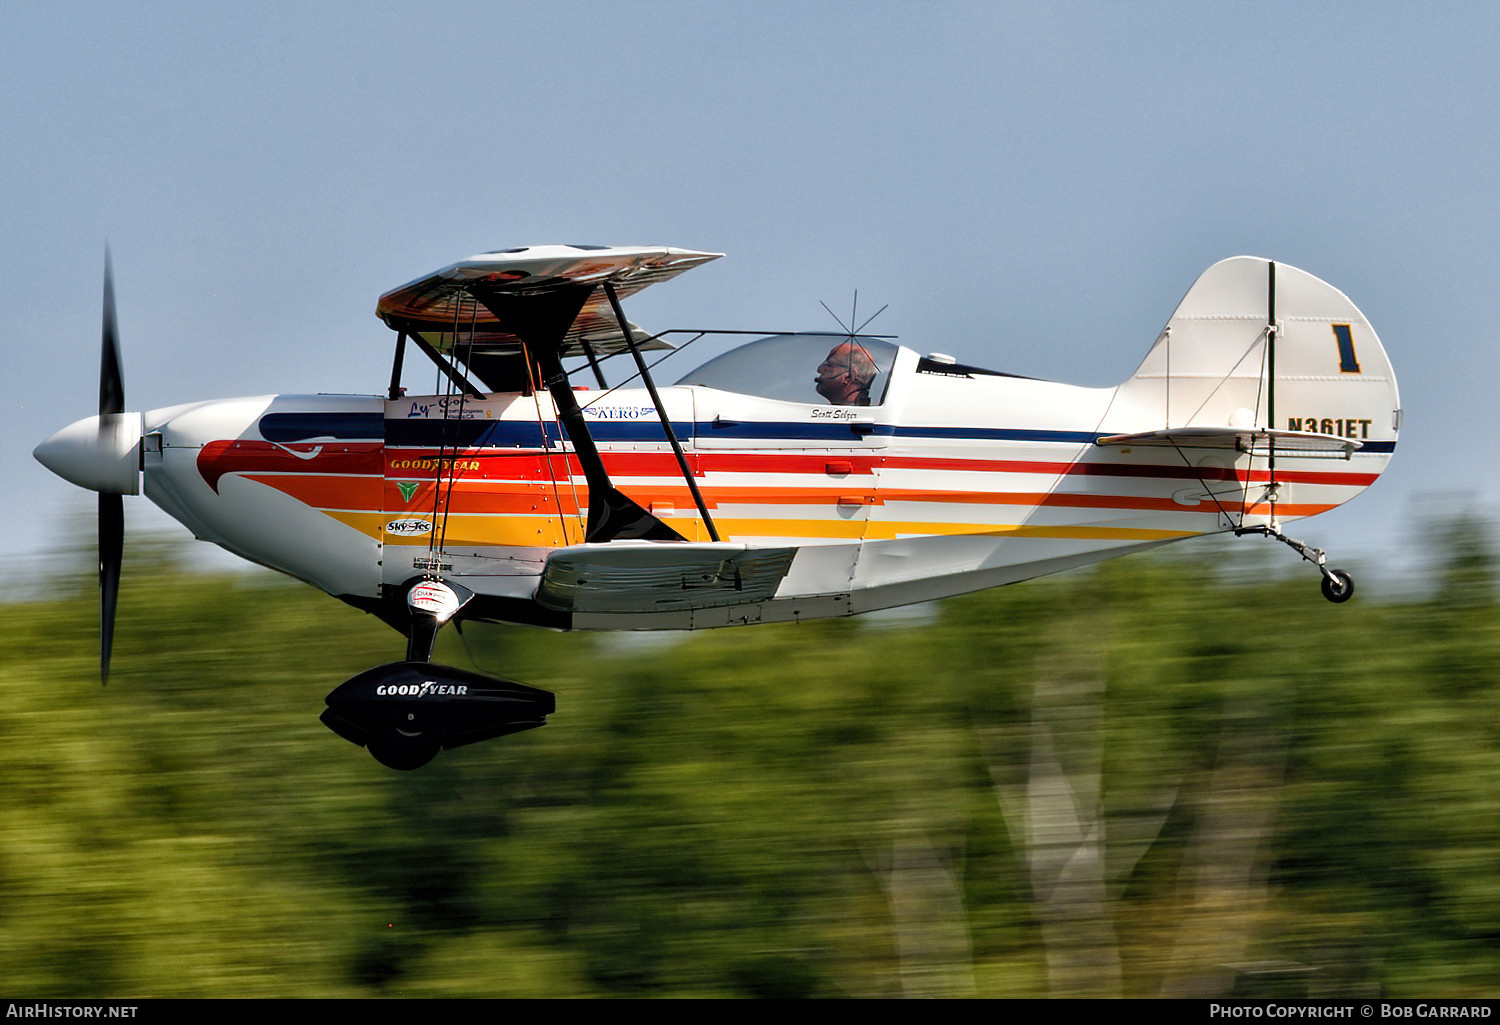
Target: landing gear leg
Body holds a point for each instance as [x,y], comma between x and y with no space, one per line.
[421,636]
[1338,585]
[431,603]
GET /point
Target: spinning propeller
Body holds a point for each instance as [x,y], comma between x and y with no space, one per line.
[102,453]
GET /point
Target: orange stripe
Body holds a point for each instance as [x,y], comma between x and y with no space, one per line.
[512,498]
[324,492]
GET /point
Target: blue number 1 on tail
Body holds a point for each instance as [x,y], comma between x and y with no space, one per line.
[1347,363]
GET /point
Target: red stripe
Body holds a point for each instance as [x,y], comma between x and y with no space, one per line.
[516,486]
[662,464]
[220,457]
[1125,470]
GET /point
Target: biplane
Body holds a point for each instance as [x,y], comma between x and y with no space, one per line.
[798,476]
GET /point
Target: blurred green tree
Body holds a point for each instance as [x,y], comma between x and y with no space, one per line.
[1143,779]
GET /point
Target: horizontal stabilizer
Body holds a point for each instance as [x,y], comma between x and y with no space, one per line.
[626,576]
[1241,439]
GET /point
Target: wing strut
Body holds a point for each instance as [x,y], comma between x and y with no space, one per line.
[542,321]
[666,421]
[395,390]
[588,350]
[463,383]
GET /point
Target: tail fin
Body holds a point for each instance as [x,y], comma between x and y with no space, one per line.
[1263,374]
[1212,365]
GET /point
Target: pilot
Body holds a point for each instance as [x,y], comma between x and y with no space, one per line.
[845,376]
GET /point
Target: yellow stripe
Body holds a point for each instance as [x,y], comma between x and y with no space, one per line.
[544,531]
[880,530]
[463,531]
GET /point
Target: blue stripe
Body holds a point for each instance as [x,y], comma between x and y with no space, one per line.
[519,433]
[640,430]
[299,426]
[526,434]
[1069,437]
[748,430]
[529,434]
[468,433]
[847,432]
[999,434]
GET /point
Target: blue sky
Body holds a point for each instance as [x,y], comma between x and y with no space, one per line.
[1030,187]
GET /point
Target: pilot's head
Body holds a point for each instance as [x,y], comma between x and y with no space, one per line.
[845,376]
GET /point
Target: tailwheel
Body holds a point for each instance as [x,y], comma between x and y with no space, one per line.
[1338,586]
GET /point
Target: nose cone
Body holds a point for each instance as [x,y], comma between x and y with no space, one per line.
[101,453]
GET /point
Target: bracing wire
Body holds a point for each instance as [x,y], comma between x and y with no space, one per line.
[435,539]
[679,349]
[1260,387]
[462,402]
[541,426]
[1208,488]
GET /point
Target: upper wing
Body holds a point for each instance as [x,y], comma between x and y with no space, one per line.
[439,305]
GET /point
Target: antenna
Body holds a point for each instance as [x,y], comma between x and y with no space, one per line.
[849,328]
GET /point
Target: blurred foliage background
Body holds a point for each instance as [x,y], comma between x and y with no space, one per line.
[1182,775]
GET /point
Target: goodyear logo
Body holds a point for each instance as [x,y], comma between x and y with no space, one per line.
[408,527]
[432,464]
[425,690]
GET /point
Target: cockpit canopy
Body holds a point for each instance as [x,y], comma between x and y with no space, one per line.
[815,368]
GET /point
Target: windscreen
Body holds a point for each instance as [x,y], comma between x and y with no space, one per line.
[817,369]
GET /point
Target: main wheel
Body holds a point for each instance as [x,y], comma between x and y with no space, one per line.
[1338,586]
[397,750]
